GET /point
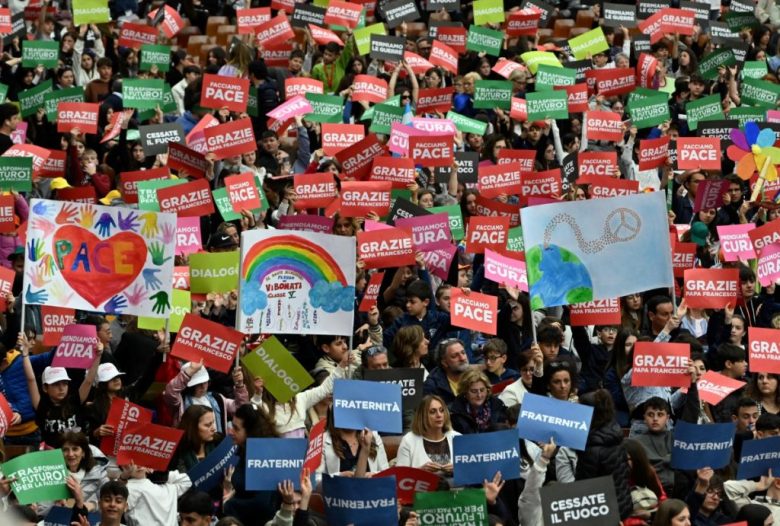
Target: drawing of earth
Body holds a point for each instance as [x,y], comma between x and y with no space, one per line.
[558,277]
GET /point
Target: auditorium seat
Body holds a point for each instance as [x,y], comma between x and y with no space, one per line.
[391,444]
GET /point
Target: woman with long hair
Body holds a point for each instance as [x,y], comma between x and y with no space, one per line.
[646,489]
[200,436]
[632,312]
[89,471]
[764,389]
[514,325]
[342,448]
[672,512]
[410,347]
[618,366]
[428,445]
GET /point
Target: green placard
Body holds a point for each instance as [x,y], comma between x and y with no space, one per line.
[489,12]
[760,93]
[485,40]
[40,476]
[384,117]
[739,21]
[181,304]
[548,76]
[493,94]
[154,55]
[326,108]
[745,114]
[214,272]
[3,92]
[547,105]
[251,104]
[52,99]
[438,507]
[90,12]
[363,37]
[16,173]
[369,113]
[32,99]
[708,67]
[40,52]
[456,219]
[143,94]
[283,375]
[147,192]
[704,109]
[467,124]
[533,59]
[649,111]
[515,241]
[754,69]
[588,44]
[641,93]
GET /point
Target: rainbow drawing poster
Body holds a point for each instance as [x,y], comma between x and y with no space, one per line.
[296,283]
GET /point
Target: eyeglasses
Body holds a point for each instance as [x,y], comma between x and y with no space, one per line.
[374,350]
[528,369]
[609,329]
[493,357]
[714,492]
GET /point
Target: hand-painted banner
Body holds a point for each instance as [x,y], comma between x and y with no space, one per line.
[764,347]
[542,418]
[296,283]
[479,456]
[75,247]
[701,446]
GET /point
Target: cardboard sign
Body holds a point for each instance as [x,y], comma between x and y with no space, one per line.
[143,94]
[597,312]
[188,236]
[653,153]
[499,179]
[81,115]
[486,232]
[616,15]
[613,82]
[604,126]
[683,257]
[186,161]
[77,348]
[122,415]
[16,174]
[604,187]
[433,150]
[758,457]
[768,270]
[525,158]
[356,160]
[209,472]
[7,217]
[358,198]
[270,461]
[371,292]
[478,457]
[39,53]
[399,171]
[764,348]
[444,56]
[409,380]
[283,374]
[386,248]
[358,404]
[522,23]
[214,272]
[313,457]
[360,500]
[242,192]
[661,365]
[248,19]
[128,181]
[468,505]
[231,138]
[316,190]
[295,86]
[505,270]
[274,32]
[735,242]
[136,35]
[432,100]
[337,137]
[698,153]
[700,446]
[6,415]
[55,319]
[547,105]
[342,14]
[714,387]
[305,14]
[39,476]
[187,200]
[705,108]
[543,417]
[545,184]
[711,288]
[590,502]
[765,235]
[181,278]
[709,195]
[410,481]
[149,445]
[595,165]
[201,339]
[156,138]
[429,232]
[386,47]
[369,89]
[307,222]
[588,44]
[52,166]
[474,311]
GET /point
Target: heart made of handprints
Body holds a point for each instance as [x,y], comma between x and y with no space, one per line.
[113,263]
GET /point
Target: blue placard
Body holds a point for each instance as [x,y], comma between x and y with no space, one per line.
[358,404]
[209,472]
[58,516]
[702,446]
[542,418]
[758,457]
[359,501]
[270,461]
[478,457]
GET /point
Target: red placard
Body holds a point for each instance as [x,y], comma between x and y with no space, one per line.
[219,92]
[645,70]
[683,258]
[385,248]
[487,232]
[601,187]
[187,200]
[418,64]
[249,19]
[372,292]
[522,23]
[149,445]
[597,164]
[277,57]
[764,347]
[301,86]
[38,155]
[79,194]
[519,110]
[400,171]
[81,115]
[324,36]
[136,35]
[711,288]
[653,153]
[409,481]
[186,161]
[288,6]
[576,97]
[454,37]
[7,277]
[431,150]
[336,137]
[679,21]
[652,27]
[597,312]
[128,181]
[369,89]
[525,158]
[314,451]
[498,179]
[231,138]
[604,126]
[541,184]
[275,32]
[356,160]
[172,21]
[6,414]
[316,190]
[698,153]
[358,198]
[7,216]
[342,14]
[54,166]
[661,365]
[612,82]
[764,235]
[432,100]
[489,208]
[714,387]
[6,26]
[121,415]
[201,339]
[55,319]
[242,192]
[474,311]
[444,56]
[709,194]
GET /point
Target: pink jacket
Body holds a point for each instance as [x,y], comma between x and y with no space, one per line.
[174,398]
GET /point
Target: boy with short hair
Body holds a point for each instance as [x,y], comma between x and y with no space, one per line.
[657,441]
[732,360]
[495,352]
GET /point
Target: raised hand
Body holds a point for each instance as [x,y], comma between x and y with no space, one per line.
[59,293]
[157,251]
[37,276]
[129,222]
[41,208]
[48,264]
[161,299]
[67,215]
[493,488]
[35,249]
[34,298]
[150,228]
[45,227]
[87,216]
[116,305]
[168,232]
[150,278]
[136,296]
[105,223]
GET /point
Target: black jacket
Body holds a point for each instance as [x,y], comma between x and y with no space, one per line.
[463,423]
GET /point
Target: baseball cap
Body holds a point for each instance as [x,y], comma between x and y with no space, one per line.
[218,240]
[198,378]
[52,375]
[699,233]
[107,372]
[18,251]
[58,183]
[110,197]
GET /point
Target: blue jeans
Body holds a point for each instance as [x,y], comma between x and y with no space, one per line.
[33,439]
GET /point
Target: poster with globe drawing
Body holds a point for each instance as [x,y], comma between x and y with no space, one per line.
[296,283]
[589,250]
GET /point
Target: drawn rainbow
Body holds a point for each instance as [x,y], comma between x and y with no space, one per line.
[291,253]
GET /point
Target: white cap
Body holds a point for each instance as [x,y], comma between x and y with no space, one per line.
[52,375]
[200,377]
[107,372]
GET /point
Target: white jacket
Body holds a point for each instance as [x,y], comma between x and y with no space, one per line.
[738,492]
[331,463]
[412,453]
[513,393]
[149,503]
[530,502]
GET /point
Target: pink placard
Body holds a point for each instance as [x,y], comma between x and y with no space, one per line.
[438,261]
[440,126]
[188,237]
[370,226]
[506,271]
[297,105]
[429,232]
[19,135]
[399,137]
[735,242]
[308,222]
[77,348]
[772,115]
[769,265]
